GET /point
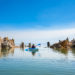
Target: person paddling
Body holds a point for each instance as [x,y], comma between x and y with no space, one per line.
[33,46]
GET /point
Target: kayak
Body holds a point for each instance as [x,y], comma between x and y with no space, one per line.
[33,49]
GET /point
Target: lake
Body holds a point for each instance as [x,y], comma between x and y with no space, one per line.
[46,61]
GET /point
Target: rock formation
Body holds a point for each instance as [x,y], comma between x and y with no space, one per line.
[29,45]
[6,43]
[64,44]
[22,45]
[48,44]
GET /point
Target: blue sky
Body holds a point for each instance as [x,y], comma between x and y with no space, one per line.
[37,14]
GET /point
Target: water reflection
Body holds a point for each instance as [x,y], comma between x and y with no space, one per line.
[73,51]
[42,53]
[22,49]
[33,52]
[6,52]
[65,51]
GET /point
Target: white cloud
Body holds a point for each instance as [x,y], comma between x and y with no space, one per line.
[39,35]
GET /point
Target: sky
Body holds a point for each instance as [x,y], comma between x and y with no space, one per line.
[24,17]
[36,14]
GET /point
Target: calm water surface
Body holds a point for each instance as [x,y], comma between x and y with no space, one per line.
[43,62]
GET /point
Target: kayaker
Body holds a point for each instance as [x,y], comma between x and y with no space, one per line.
[33,46]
